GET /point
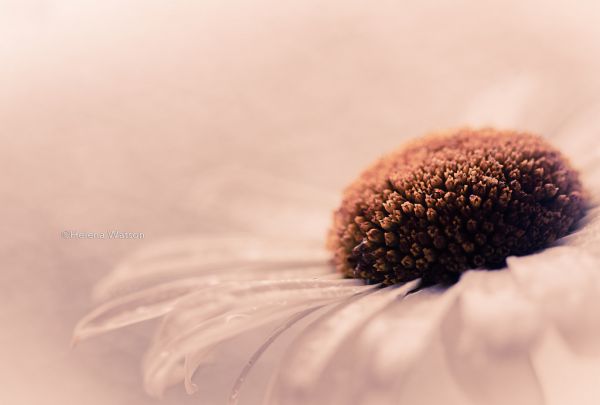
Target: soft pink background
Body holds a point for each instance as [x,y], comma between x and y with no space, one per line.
[114,114]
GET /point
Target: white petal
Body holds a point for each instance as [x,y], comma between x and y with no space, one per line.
[159,300]
[235,392]
[303,368]
[393,344]
[191,362]
[565,283]
[413,322]
[488,335]
[214,255]
[587,236]
[379,354]
[211,317]
[568,378]
[136,307]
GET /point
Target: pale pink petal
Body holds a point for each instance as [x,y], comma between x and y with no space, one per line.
[302,371]
[207,255]
[211,317]
[488,335]
[158,300]
[565,283]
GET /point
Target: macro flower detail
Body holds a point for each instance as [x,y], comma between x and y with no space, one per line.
[434,212]
[454,201]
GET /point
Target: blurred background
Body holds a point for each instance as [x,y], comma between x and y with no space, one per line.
[155,116]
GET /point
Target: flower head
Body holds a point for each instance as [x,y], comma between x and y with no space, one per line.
[217,294]
[454,201]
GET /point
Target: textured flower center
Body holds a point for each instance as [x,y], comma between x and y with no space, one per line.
[454,201]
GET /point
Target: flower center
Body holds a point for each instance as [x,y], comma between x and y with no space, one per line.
[450,202]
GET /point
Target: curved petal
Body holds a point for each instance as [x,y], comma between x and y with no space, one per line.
[156,301]
[203,320]
[207,255]
[235,391]
[391,347]
[302,370]
[371,361]
[587,237]
[487,337]
[133,308]
[565,284]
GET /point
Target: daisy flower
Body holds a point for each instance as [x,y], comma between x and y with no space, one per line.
[400,307]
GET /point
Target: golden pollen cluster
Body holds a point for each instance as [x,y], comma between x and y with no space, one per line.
[454,201]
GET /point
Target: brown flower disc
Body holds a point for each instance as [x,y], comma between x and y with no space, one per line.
[455,201]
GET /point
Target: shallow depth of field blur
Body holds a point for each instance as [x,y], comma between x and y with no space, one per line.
[119,115]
